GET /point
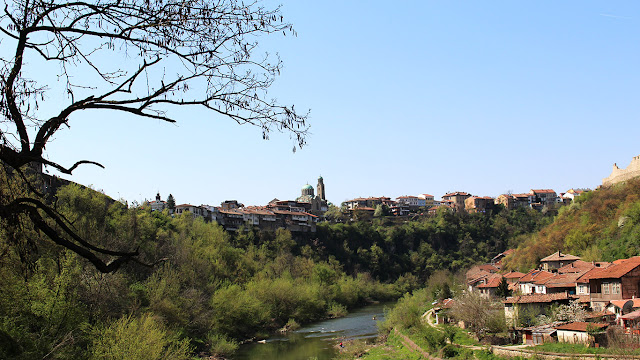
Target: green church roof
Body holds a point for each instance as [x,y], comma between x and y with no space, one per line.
[307,187]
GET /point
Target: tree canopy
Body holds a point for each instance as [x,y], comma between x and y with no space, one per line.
[174,54]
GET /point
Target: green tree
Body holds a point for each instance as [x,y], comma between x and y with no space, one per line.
[503,289]
[381,210]
[480,314]
[143,338]
[171,202]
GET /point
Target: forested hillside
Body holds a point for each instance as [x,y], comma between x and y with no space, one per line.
[208,289]
[600,225]
[446,240]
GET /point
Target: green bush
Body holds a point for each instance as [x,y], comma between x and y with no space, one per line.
[449,351]
[336,310]
[143,338]
[220,345]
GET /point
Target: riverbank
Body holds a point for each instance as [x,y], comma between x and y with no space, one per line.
[320,339]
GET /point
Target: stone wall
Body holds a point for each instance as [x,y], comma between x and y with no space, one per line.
[619,175]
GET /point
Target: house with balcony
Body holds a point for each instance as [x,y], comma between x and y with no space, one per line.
[533,282]
[533,303]
[620,280]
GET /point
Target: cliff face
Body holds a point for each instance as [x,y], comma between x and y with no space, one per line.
[619,175]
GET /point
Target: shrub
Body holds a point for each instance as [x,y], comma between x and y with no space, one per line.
[336,310]
[220,345]
[137,338]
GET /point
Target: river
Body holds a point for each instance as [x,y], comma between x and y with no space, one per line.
[317,340]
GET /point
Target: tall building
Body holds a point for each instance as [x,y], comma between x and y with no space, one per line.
[316,205]
[320,188]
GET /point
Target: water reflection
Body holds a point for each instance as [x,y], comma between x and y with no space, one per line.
[317,340]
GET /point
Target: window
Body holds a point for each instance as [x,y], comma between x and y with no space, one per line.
[615,288]
[605,288]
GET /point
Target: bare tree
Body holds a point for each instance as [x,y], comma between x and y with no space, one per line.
[480,314]
[180,53]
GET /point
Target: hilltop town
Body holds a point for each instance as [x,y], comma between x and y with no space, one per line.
[302,214]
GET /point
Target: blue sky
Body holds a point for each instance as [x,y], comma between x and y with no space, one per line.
[406,98]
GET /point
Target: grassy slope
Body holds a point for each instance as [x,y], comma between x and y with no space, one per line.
[601,225]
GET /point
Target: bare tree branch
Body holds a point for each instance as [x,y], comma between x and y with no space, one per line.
[179,53]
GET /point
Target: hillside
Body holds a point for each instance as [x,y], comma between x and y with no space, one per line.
[601,225]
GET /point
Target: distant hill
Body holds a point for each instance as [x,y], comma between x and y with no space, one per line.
[600,225]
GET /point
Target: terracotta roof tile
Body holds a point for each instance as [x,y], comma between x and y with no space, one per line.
[562,280]
[558,256]
[493,282]
[543,191]
[513,275]
[457,193]
[620,303]
[536,298]
[577,266]
[580,326]
[488,267]
[536,275]
[617,270]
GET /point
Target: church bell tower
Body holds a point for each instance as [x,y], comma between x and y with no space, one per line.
[320,189]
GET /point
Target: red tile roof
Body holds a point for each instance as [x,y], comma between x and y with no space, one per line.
[536,298]
[558,256]
[493,282]
[631,316]
[476,274]
[488,267]
[577,266]
[595,315]
[365,208]
[535,276]
[583,299]
[584,279]
[457,193]
[620,303]
[581,326]
[513,275]
[617,270]
[562,280]
[543,191]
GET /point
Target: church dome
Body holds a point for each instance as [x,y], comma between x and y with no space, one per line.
[307,187]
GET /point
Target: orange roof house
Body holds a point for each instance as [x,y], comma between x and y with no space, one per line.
[533,281]
[557,260]
[620,280]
